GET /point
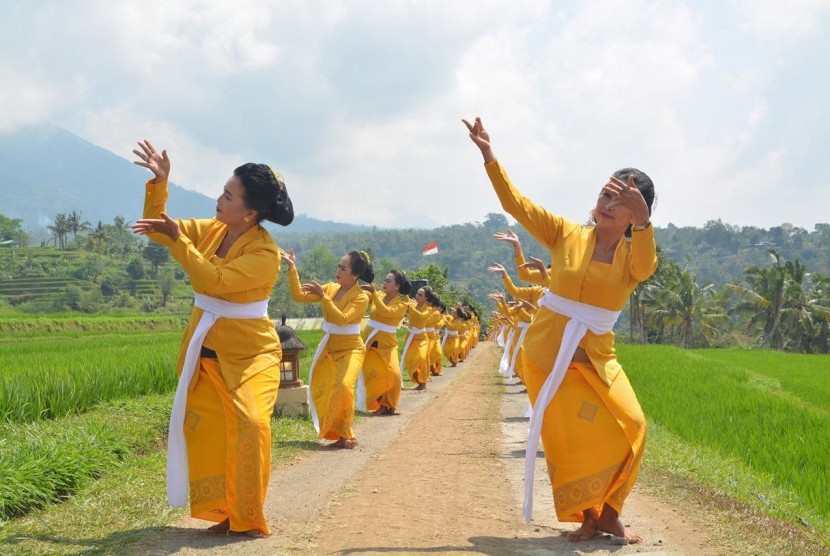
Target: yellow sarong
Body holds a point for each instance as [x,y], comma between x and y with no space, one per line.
[382,372]
[335,376]
[593,436]
[228,435]
[416,359]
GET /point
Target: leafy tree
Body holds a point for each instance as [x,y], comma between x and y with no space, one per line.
[11,229]
[73,296]
[319,264]
[166,282]
[437,277]
[157,254]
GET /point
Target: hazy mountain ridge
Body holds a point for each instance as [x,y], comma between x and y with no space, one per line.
[47,170]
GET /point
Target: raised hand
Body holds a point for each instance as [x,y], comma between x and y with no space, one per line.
[289,257]
[627,195]
[527,305]
[164,225]
[481,138]
[313,288]
[368,288]
[539,265]
[509,236]
[157,163]
[496,267]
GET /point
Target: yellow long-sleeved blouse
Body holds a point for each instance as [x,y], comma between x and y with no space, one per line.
[418,318]
[531,294]
[348,310]
[575,276]
[391,314]
[247,273]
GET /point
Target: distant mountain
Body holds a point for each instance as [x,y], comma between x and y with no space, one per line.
[45,170]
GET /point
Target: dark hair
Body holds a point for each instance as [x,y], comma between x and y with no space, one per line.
[360,265]
[404,285]
[643,183]
[264,192]
[431,298]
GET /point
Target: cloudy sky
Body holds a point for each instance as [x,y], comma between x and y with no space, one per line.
[725,104]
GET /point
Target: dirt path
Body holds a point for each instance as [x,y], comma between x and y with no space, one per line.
[444,477]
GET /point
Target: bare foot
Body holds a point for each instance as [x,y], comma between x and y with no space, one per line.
[609,522]
[421,386]
[585,532]
[347,443]
[256,534]
[588,528]
[221,528]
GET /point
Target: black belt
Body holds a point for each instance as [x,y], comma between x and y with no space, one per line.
[209,353]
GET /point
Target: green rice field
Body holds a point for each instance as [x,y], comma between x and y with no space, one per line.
[77,398]
[737,415]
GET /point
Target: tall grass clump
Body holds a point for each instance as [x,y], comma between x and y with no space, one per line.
[46,378]
[46,461]
[721,403]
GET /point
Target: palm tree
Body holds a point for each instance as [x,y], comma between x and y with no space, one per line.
[59,229]
[75,224]
[764,298]
[688,310]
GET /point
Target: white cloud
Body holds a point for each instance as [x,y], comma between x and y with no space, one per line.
[193,164]
[358,103]
[790,21]
[24,99]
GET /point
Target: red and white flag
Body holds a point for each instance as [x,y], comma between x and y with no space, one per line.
[430,249]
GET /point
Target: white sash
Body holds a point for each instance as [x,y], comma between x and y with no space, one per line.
[500,335]
[512,367]
[582,317]
[361,381]
[412,333]
[177,474]
[447,334]
[429,330]
[329,329]
[505,357]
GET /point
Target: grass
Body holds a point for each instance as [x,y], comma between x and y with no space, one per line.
[95,480]
[127,503]
[740,426]
[51,377]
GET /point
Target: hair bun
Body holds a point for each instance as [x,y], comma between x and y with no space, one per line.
[282,210]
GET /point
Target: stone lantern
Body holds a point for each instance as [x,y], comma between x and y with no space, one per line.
[292,398]
[291,348]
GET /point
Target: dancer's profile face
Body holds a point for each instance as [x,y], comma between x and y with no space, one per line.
[344,275]
[390,287]
[230,206]
[421,296]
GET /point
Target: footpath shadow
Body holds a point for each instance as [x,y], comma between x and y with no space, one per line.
[174,539]
[503,546]
[304,445]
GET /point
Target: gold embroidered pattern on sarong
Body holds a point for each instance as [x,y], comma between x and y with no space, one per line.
[618,496]
[587,411]
[191,420]
[248,474]
[584,492]
[206,490]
